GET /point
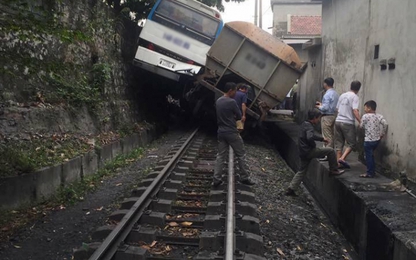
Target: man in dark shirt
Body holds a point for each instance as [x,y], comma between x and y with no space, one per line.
[228,135]
[308,151]
[241,99]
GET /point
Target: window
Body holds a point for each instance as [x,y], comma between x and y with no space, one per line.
[189,18]
[376,51]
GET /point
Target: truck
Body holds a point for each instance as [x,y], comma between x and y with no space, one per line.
[244,53]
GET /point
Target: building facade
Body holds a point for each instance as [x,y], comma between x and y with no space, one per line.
[373,42]
[296,22]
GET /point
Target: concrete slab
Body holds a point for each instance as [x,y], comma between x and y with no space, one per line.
[71,171]
[89,163]
[376,218]
[404,245]
[47,181]
[15,191]
[144,139]
[105,154]
[129,143]
[116,149]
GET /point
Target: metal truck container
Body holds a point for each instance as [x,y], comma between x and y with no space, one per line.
[245,53]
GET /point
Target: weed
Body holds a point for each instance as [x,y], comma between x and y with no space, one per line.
[18,157]
[76,191]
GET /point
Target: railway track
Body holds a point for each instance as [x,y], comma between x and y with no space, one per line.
[175,213]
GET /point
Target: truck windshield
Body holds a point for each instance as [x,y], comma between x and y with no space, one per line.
[187,20]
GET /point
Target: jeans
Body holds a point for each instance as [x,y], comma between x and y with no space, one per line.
[304,162]
[369,148]
[236,142]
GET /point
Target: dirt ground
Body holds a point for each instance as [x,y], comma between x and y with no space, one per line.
[293,227]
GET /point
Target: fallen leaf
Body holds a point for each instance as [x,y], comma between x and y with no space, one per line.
[173,224]
[153,243]
[16,246]
[187,234]
[100,208]
[280,251]
[88,213]
[298,247]
[186,224]
[263,169]
[119,184]
[267,221]
[323,225]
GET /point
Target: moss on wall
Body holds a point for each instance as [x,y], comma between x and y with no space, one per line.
[63,70]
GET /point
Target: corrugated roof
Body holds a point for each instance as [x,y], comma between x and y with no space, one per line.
[305,25]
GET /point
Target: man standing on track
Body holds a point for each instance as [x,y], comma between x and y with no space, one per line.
[227,115]
[328,108]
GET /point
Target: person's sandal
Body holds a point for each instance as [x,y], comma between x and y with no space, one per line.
[366,176]
[344,164]
[336,172]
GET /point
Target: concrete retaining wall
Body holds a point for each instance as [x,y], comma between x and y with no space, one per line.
[376,218]
[40,185]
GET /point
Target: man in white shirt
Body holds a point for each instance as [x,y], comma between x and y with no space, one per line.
[347,106]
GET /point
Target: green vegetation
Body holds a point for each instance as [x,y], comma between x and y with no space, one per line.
[27,156]
[142,8]
[15,219]
[76,191]
[80,88]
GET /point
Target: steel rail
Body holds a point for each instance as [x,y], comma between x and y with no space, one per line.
[110,245]
[230,224]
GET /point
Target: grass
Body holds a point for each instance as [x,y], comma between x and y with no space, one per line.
[12,220]
[26,156]
[19,157]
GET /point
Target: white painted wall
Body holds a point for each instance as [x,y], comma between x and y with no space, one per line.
[351,28]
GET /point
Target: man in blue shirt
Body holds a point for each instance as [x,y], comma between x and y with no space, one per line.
[241,99]
[328,109]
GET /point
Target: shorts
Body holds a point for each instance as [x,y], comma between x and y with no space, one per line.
[345,132]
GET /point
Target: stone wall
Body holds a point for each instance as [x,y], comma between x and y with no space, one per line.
[66,67]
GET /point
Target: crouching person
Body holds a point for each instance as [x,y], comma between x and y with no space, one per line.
[308,151]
